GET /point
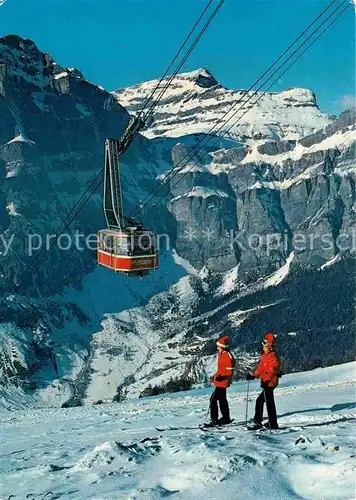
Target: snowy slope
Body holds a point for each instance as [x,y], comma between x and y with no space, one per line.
[195,101]
[115,452]
[172,334]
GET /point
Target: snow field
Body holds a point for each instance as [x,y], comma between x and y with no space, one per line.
[115,452]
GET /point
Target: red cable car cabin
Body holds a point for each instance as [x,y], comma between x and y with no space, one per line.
[132,252]
[125,246]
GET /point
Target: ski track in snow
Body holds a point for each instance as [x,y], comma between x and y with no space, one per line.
[114,451]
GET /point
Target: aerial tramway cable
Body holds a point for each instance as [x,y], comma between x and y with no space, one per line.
[74,275]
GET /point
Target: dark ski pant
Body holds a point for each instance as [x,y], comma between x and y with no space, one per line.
[219,395]
[266,395]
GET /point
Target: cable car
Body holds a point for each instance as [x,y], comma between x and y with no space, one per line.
[125,246]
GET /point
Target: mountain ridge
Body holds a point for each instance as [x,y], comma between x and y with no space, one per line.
[187,100]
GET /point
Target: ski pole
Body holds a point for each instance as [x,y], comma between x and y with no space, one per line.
[247,393]
[211,397]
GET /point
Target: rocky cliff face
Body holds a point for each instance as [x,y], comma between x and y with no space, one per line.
[235,213]
[54,124]
[52,132]
[304,196]
[254,205]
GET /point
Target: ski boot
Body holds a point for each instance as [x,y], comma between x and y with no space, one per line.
[268,426]
[255,427]
[213,423]
[224,421]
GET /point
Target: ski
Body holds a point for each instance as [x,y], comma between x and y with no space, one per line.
[170,428]
[300,426]
[243,423]
[223,427]
[211,426]
[219,428]
[264,429]
[196,427]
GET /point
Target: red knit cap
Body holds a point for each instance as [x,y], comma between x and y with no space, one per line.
[269,338]
[223,342]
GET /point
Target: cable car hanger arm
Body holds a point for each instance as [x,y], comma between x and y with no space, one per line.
[130,132]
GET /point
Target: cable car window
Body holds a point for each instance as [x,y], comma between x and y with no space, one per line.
[102,240]
[122,246]
[108,243]
[143,244]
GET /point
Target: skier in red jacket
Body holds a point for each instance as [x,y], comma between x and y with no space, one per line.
[268,371]
[222,380]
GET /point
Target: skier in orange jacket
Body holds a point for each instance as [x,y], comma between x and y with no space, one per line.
[268,371]
[222,380]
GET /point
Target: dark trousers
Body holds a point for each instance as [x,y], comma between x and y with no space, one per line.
[219,395]
[266,395]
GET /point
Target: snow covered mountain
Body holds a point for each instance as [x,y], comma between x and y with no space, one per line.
[52,132]
[286,169]
[195,102]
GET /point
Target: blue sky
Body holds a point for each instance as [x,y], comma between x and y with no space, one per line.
[117,43]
